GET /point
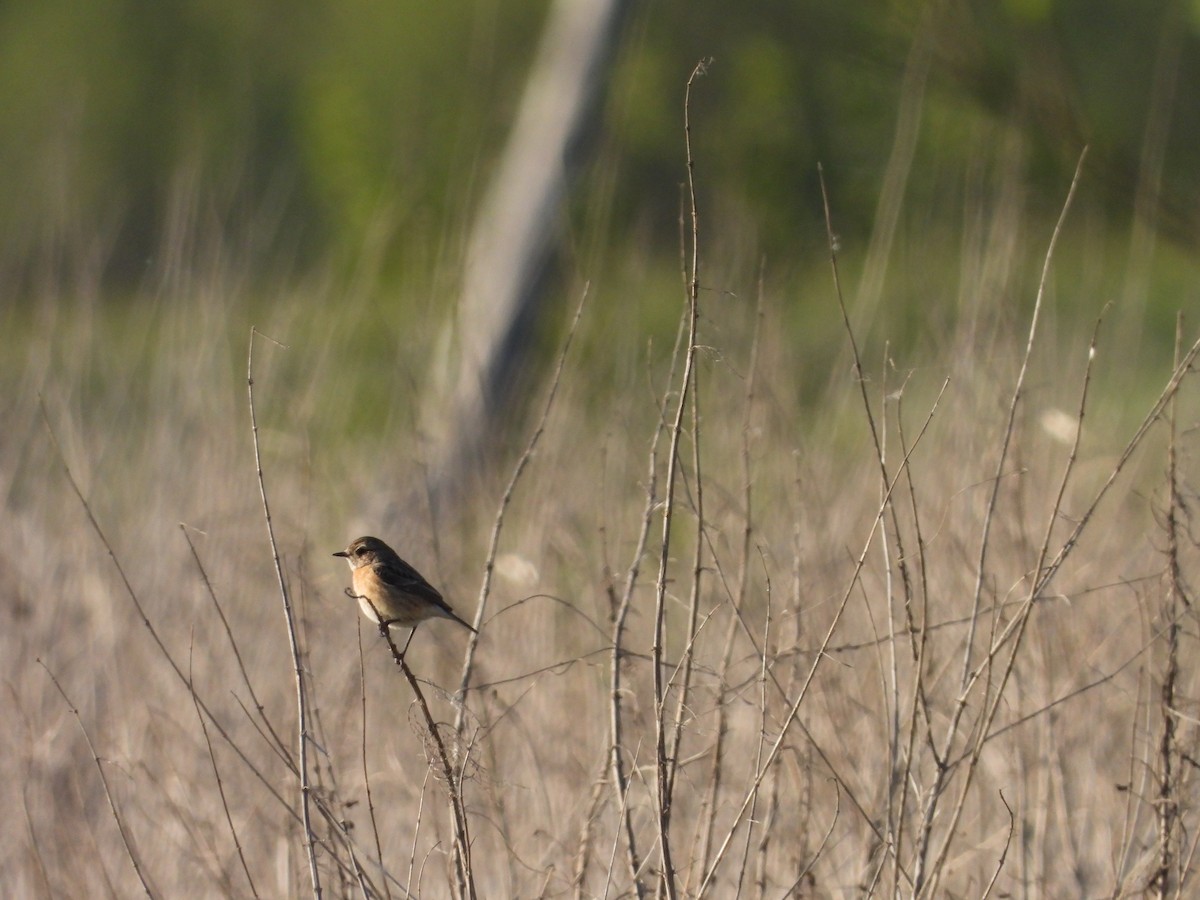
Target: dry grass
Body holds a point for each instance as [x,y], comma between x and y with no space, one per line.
[869,709]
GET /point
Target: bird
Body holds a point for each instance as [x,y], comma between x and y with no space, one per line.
[390,591]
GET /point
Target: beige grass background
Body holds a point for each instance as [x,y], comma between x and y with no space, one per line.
[148,402]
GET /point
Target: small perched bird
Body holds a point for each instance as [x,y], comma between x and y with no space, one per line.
[390,591]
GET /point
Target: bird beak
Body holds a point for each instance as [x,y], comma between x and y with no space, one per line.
[342,553]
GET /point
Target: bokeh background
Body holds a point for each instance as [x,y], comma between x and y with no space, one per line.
[175,173]
[311,134]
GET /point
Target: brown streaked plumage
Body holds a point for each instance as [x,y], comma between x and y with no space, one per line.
[389,590]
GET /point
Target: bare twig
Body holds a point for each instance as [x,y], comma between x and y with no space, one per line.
[590,815]
[918,703]
[212,758]
[707,822]
[362,687]
[451,774]
[1012,825]
[126,839]
[760,743]
[412,856]
[1009,428]
[798,700]
[275,739]
[171,661]
[804,873]
[293,636]
[485,589]
[686,664]
[621,608]
[1013,633]
[662,761]
[623,814]
[924,876]
[1167,801]
[620,614]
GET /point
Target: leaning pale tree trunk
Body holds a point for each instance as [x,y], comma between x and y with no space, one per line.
[516,231]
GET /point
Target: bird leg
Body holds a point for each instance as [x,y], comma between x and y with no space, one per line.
[409,641]
[384,624]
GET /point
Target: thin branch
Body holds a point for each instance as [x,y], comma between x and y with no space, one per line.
[686,664]
[362,687]
[1012,825]
[158,641]
[968,678]
[452,776]
[334,820]
[278,742]
[795,703]
[485,589]
[590,816]
[126,840]
[808,867]
[212,758]
[761,742]
[1013,634]
[293,638]
[620,778]
[1009,428]
[708,821]
[1167,807]
[662,762]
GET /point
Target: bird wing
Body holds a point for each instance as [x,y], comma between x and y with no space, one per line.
[401,575]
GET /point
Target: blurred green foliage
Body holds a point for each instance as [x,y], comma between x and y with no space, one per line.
[324,118]
[303,132]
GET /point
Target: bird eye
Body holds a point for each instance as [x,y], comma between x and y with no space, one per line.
[359,551]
